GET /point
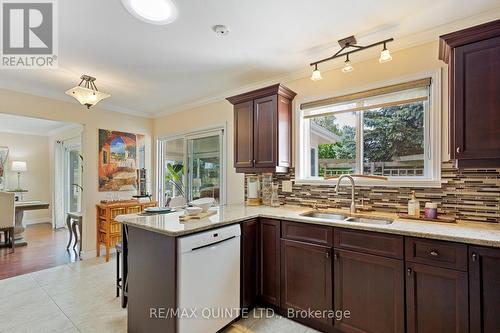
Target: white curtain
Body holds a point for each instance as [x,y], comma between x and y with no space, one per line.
[58,208]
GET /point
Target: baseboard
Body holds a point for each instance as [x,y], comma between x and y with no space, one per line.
[37,221]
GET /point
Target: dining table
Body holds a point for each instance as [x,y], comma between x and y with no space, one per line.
[20,208]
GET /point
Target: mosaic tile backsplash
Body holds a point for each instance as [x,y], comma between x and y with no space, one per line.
[467,194]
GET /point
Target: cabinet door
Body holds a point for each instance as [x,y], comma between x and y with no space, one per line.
[243,135]
[265,132]
[436,300]
[269,261]
[484,285]
[249,252]
[371,288]
[306,278]
[476,100]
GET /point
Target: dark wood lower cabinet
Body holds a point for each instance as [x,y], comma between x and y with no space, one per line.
[484,285]
[248,294]
[306,280]
[436,300]
[371,288]
[269,262]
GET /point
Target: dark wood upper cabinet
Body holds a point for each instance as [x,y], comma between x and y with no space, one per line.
[473,56]
[269,262]
[484,289]
[436,299]
[249,232]
[263,129]
[306,280]
[371,288]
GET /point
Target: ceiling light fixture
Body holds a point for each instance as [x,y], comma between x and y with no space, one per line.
[347,65]
[158,12]
[316,75]
[86,92]
[351,43]
[385,55]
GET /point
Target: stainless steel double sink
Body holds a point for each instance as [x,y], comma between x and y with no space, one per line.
[345,218]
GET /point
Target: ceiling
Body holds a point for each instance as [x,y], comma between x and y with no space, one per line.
[31,126]
[151,69]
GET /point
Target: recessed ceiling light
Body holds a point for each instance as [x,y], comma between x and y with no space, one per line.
[152,11]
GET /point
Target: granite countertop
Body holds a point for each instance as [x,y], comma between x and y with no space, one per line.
[478,233]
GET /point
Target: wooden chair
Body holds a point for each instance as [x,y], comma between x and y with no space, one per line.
[7,217]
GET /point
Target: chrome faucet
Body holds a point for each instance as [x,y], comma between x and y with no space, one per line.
[353,203]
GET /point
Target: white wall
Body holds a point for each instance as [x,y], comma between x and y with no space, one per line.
[35,151]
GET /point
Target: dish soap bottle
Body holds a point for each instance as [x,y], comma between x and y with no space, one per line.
[413,206]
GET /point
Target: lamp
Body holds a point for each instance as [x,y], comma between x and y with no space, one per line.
[348,46]
[86,92]
[385,55]
[19,166]
[347,65]
[316,74]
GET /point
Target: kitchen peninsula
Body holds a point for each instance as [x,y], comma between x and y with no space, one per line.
[280,247]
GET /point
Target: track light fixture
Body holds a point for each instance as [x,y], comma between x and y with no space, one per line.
[348,46]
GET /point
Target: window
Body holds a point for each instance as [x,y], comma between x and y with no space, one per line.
[385,131]
[192,167]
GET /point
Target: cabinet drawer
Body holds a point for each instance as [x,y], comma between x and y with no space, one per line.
[436,253]
[369,242]
[308,233]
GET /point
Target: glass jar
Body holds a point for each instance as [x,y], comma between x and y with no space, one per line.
[275,201]
[266,188]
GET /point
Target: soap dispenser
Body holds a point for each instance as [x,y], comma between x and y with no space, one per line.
[413,205]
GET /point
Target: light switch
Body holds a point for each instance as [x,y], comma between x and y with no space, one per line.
[286,186]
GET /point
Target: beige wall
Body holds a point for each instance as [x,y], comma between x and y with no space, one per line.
[423,58]
[35,151]
[93,119]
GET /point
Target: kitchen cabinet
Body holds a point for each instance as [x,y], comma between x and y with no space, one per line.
[436,297]
[369,281]
[248,293]
[269,262]
[306,273]
[263,129]
[473,56]
[484,289]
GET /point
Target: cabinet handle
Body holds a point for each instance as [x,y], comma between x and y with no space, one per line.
[434,253]
[336,256]
[458,150]
[474,257]
[327,254]
[409,271]
[253,162]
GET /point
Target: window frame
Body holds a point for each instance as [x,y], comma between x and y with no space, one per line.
[432,138]
[160,172]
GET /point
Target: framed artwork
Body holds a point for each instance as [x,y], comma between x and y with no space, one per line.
[120,155]
[4,155]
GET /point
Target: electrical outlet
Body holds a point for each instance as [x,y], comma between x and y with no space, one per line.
[286,186]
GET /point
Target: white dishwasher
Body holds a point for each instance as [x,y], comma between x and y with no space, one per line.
[208,280]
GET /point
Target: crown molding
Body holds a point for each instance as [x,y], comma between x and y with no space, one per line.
[400,43]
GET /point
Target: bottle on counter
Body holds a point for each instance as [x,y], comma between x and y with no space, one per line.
[413,205]
[430,210]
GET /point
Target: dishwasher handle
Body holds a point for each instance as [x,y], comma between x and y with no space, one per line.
[212,244]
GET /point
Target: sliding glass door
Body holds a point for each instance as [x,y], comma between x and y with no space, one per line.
[191,167]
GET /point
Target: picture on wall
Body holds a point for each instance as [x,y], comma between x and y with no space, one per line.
[120,154]
[4,154]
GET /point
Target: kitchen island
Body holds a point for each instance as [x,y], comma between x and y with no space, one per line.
[150,244]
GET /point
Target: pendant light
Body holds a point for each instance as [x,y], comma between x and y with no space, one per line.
[347,65]
[86,92]
[316,74]
[385,55]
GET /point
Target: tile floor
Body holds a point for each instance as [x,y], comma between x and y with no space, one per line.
[80,297]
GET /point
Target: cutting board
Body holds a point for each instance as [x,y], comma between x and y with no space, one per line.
[199,216]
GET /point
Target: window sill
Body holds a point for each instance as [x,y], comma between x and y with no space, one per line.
[418,183]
